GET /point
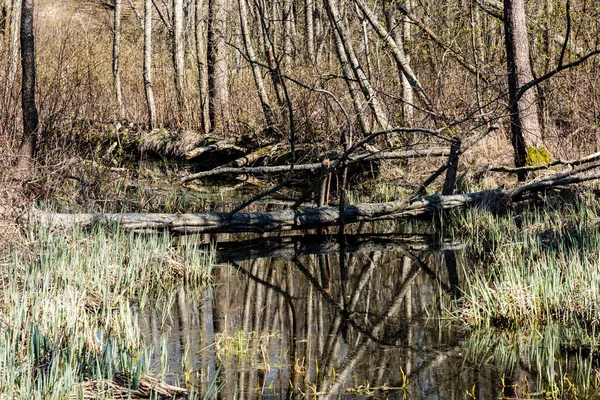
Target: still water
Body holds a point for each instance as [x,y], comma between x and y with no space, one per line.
[303,316]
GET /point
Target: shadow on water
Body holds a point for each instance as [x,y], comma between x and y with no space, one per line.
[284,318]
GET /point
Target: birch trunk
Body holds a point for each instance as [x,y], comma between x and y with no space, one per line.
[218,96]
[116,60]
[287,30]
[310,29]
[179,57]
[147,70]
[200,34]
[407,90]
[365,85]
[256,71]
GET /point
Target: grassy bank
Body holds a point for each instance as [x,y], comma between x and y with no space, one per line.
[533,265]
[530,291]
[66,310]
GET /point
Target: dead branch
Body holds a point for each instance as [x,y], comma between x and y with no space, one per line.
[315,166]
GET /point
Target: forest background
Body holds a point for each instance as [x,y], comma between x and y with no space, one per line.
[162,76]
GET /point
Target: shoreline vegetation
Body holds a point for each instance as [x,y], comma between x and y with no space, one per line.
[68,326]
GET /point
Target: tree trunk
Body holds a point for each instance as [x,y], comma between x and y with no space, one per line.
[287,30]
[256,71]
[3,18]
[200,30]
[397,51]
[350,82]
[116,60]
[525,128]
[407,90]
[310,29]
[365,84]
[30,113]
[13,49]
[147,71]
[401,33]
[268,42]
[218,96]
[179,58]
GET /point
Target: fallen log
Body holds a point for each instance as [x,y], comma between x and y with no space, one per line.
[225,144]
[252,157]
[388,155]
[285,220]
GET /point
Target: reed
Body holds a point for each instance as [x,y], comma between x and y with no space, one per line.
[67,311]
[530,292]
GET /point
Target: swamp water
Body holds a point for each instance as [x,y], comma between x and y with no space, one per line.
[303,316]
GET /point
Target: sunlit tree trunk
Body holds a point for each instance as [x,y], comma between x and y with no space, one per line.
[525,127]
[407,90]
[116,60]
[179,57]
[268,41]
[30,113]
[397,51]
[287,30]
[256,70]
[147,70]
[200,32]
[365,43]
[365,85]
[310,29]
[350,82]
[218,95]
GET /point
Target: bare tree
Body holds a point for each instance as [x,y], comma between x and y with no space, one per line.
[200,34]
[30,113]
[407,90]
[256,71]
[401,34]
[365,85]
[116,60]
[309,10]
[397,51]
[287,29]
[147,70]
[350,82]
[218,95]
[525,127]
[179,56]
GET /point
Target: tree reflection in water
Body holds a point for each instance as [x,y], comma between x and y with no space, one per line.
[280,321]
